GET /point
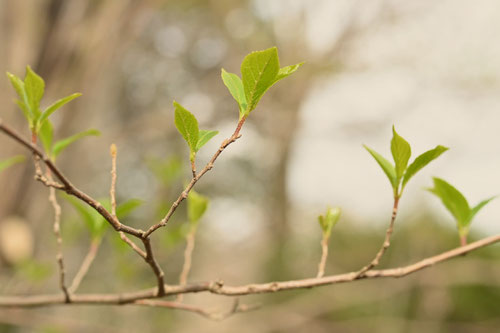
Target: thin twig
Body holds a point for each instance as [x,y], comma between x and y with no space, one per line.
[324,256]
[188,254]
[193,167]
[57,233]
[112,190]
[150,259]
[148,255]
[235,136]
[84,268]
[235,308]
[387,241]
[219,288]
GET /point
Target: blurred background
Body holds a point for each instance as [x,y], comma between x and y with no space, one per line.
[430,68]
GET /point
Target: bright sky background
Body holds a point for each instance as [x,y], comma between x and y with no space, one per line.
[432,69]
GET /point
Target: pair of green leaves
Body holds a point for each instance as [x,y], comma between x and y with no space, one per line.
[329,220]
[197,205]
[95,223]
[259,71]
[11,161]
[457,205]
[30,92]
[400,172]
[187,125]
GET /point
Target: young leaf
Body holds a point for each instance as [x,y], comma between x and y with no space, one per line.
[51,109]
[18,85]
[235,87]
[124,209]
[421,161]
[26,112]
[197,205]
[401,153]
[386,166]
[259,70]
[454,201]
[328,221]
[11,161]
[59,146]
[34,87]
[287,71]
[205,136]
[46,134]
[187,125]
[94,222]
[478,207]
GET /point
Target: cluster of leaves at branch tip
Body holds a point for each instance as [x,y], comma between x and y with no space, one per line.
[187,125]
[4,164]
[329,220]
[400,172]
[259,71]
[30,92]
[95,223]
[197,205]
[457,205]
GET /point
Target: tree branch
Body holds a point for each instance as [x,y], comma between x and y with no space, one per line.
[219,288]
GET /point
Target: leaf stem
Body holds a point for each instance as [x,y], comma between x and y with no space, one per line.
[386,243]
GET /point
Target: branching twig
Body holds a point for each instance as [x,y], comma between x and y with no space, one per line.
[387,241]
[235,136]
[67,186]
[148,255]
[219,288]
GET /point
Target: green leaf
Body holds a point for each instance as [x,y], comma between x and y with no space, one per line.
[18,85]
[124,209]
[205,136]
[93,220]
[287,71]
[401,153]
[167,170]
[454,201]
[59,103]
[197,205]
[421,161]
[187,125]
[329,220]
[11,161]
[46,134]
[478,207]
[235,87]
[26,112]
[34,86]
[386,166]
[259,70]
[59,146]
